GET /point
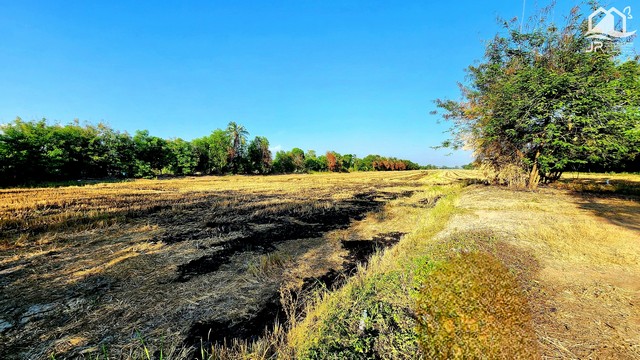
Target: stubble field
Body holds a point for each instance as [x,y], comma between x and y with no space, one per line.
[365,265]
[177,261]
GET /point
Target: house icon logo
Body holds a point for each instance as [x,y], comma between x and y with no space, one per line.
[609,24]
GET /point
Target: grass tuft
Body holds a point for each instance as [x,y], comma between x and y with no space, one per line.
[268,264]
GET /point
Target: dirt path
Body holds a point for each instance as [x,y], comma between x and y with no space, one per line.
[585,291]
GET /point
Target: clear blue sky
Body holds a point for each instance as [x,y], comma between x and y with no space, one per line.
[351,76]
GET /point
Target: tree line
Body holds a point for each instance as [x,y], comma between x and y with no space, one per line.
[37,151]
[297,161]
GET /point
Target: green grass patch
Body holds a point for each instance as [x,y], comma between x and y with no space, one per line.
[373,315]
[368,324]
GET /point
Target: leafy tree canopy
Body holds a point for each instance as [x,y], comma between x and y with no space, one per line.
[539,103]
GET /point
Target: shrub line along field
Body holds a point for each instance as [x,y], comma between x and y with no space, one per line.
[200,267]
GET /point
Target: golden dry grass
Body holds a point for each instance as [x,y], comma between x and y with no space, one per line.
[574,257]
[470,306]
[611,184]
[330,328]
[588,248]
[95,265]
[88,266]
[386,290]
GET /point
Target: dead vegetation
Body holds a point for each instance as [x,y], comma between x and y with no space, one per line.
[294,267]
[470,306]
[586,289]
[514,274]
[176,263]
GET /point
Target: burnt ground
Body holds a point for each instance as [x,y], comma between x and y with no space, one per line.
[361,250]
[221,332]
[177,271]
[358,252]
[225,331]
[281,229]
[265,241]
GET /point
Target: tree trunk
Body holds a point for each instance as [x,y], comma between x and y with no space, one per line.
[555,176]
[534,175]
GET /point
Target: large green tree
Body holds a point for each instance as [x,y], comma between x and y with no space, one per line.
[213,152]
[283,163]
[152,154]
[37,151]
[297,157]
[313,162]
[540,104]
[183,157]
[259,155]
[25,150]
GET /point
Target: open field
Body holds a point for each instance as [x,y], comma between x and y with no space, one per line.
[549,274]
[169,260]
[467,271]
[583,280]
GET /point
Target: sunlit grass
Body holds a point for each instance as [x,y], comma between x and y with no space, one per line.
[115,249]
[586,244]
[469,305]
[481,272]
[332,326]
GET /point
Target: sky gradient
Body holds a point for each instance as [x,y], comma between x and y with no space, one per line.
[355,77]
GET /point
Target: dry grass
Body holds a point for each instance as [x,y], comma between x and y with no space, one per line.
[470,306]
[112,265]
[268,264]
[331,328]
[561,268]
[376,314]
[607,184]
[585,292]
[88,266]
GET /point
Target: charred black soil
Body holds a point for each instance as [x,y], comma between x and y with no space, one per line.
[205,333]
[221,332]
[340,216]
[292,227]
[361,250]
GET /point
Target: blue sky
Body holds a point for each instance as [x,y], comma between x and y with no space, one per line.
[351,76]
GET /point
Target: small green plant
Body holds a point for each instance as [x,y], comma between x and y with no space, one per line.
[371,326]
[104,352]
[144,346]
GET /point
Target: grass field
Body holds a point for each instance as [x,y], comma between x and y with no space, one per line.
[362,265]
[95,265]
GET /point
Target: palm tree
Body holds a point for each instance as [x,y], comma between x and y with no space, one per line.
[238,135]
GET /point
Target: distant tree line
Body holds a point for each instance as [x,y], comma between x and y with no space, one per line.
[297,161]
[36,151]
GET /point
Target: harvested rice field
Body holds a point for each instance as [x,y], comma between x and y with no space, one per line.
[418,264]
[181,261]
